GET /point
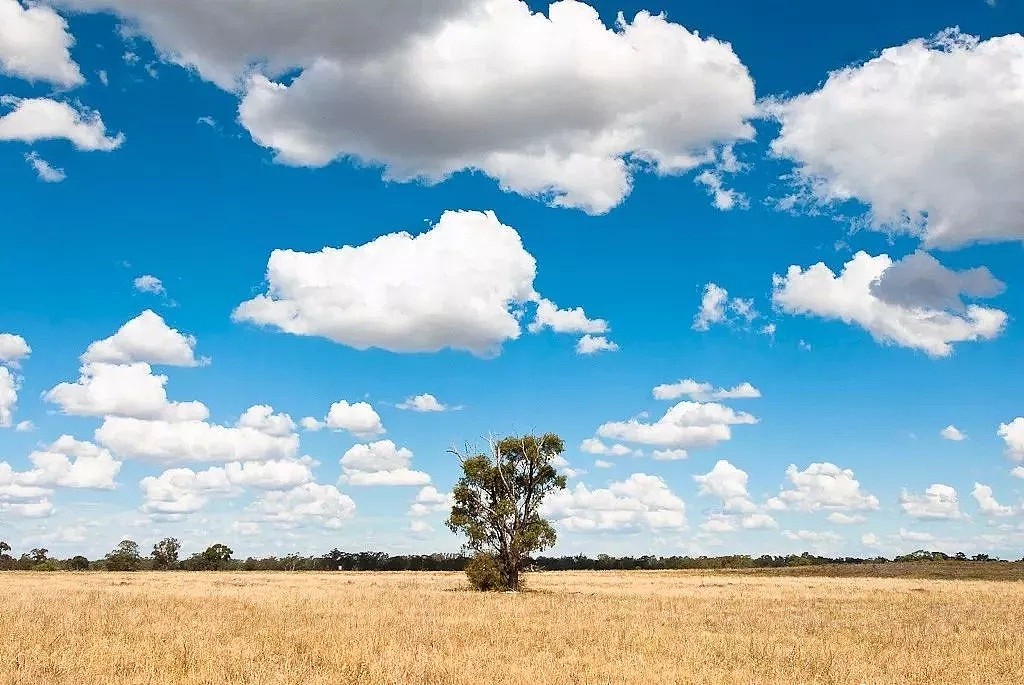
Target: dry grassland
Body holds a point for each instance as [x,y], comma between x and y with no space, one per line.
[424,628]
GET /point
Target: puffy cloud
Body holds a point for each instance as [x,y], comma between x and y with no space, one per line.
[926,134]
[1017,472]
[670,455]
[849,297]
[35,45]
[25,427]
[558,107]
[453,286]
[46,172]
[9,385]
[602,464]
[13,349]
[146,338]
[595,446]
[309,504]
[704,392]
[642,502]
[33,119]
[129,390]
[358,418]
[1013,435]
[149,284]
[380,463]
[70,463]
[430,500]
[194,441]
[262,418]
[729,484]
[823,486]
[938,502]
[686,425]
[919,280]
[592,344]
[182,491]
[987,503]
[424,403]
[565,320]
[953,433]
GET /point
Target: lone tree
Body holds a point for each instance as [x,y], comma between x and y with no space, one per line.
[496,506]
[165,553]
[216,556]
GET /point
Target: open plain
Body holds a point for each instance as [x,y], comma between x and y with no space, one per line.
[614,628]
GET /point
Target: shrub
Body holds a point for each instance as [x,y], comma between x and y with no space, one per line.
[484,573]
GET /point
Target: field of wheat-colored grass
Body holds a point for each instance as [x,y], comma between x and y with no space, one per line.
[425,628]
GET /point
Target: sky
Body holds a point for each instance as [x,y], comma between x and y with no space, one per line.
[758,264]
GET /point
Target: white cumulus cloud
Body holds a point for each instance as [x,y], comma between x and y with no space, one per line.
[146,338]
[686,425]
[823,486]
[33,119]
[850,297]
[938,502]
[380,463]
[704,392]
[641,502]
[35,44]
[926,134]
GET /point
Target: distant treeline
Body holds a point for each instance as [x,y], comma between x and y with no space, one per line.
[127,557]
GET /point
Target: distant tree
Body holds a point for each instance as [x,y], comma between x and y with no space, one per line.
[124,557]
[39,554]
[4,548]
[78,563]
[165,553]
[216,556]
[6,560]
[497,504]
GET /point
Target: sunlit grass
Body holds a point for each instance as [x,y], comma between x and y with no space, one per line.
[376,629]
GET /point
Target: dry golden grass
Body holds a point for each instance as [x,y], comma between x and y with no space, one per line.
[424,628]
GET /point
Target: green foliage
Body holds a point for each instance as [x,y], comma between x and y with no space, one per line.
[78,563]
[48,565]
[498,498]
[217,554]
[484,574]
[124,557]
[165,553]
[39,554]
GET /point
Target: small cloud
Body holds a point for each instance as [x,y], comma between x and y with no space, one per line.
[104,79]
[25,427]
[953,433]
[592,344]
[149,284]
[424,403]
[804,345]
[46,171]
[207,121]
[602,464]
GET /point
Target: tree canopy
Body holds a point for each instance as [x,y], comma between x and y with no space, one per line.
[497,503]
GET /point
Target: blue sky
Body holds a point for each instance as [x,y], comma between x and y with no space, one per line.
[189,142]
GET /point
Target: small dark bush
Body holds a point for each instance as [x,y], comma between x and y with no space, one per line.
[484,574]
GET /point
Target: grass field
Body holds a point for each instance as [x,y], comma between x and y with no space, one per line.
[425,628]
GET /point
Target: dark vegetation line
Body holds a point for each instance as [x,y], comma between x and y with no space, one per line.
[127,556]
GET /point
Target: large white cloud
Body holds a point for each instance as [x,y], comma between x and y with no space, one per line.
[380,463]
[196,441]
[181,491]
[35,44]
[129,390]
[851,298]
[309,504]
[641,502]
[33,119]
[70,463]
[823,486]
[146,338]
[1012,434]
[459,285]
[927,134]
[557,106]
[686,425]
[938,502]
[430,500]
